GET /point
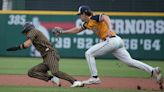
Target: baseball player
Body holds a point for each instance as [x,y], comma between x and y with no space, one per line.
[49,55]
[101,26]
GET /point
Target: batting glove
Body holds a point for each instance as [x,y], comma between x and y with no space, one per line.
[13,48]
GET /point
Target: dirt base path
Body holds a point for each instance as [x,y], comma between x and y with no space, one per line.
[107,82]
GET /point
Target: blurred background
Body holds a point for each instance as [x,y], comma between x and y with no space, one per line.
[139,22]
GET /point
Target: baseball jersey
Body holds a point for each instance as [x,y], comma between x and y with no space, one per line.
[40,42]
[99,27]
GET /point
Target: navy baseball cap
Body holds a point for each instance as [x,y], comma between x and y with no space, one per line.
[84,9]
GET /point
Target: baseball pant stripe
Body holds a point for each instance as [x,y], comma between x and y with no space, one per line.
[39,71]
[53,64]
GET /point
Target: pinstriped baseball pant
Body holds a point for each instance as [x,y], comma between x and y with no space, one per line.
[50,62]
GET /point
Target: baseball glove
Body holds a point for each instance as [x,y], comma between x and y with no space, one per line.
[57,31]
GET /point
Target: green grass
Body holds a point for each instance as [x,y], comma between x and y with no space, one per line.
[57,89]
[20,65]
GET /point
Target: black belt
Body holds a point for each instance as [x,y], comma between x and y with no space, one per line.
[110,37]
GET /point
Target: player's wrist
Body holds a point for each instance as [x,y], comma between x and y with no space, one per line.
[21,46]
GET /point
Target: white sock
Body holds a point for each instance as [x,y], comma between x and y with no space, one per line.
[55,80]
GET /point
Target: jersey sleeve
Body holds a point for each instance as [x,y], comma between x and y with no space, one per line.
[84,26]
[31,35]
[97,17]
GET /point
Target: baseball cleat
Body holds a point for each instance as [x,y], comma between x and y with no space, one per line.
[156,73]
[56,81]
[92,81]
[77,84]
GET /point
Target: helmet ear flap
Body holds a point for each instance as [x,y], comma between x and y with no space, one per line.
[27,27]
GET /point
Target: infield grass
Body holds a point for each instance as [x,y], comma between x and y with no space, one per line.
[106,67]
[75,67]
[61,89]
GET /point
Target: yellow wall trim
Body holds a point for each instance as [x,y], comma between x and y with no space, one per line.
[74,13]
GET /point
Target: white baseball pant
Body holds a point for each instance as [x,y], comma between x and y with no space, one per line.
[115,45]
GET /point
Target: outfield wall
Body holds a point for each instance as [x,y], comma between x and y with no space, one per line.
[143,33]
[96,5]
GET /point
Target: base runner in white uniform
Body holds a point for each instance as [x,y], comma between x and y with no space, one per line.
[101,25]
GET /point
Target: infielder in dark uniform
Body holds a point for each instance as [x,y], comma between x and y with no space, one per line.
[48,53]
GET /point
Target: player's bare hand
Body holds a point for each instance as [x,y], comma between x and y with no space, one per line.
[57,31]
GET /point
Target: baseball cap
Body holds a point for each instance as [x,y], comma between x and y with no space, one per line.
[84,9]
